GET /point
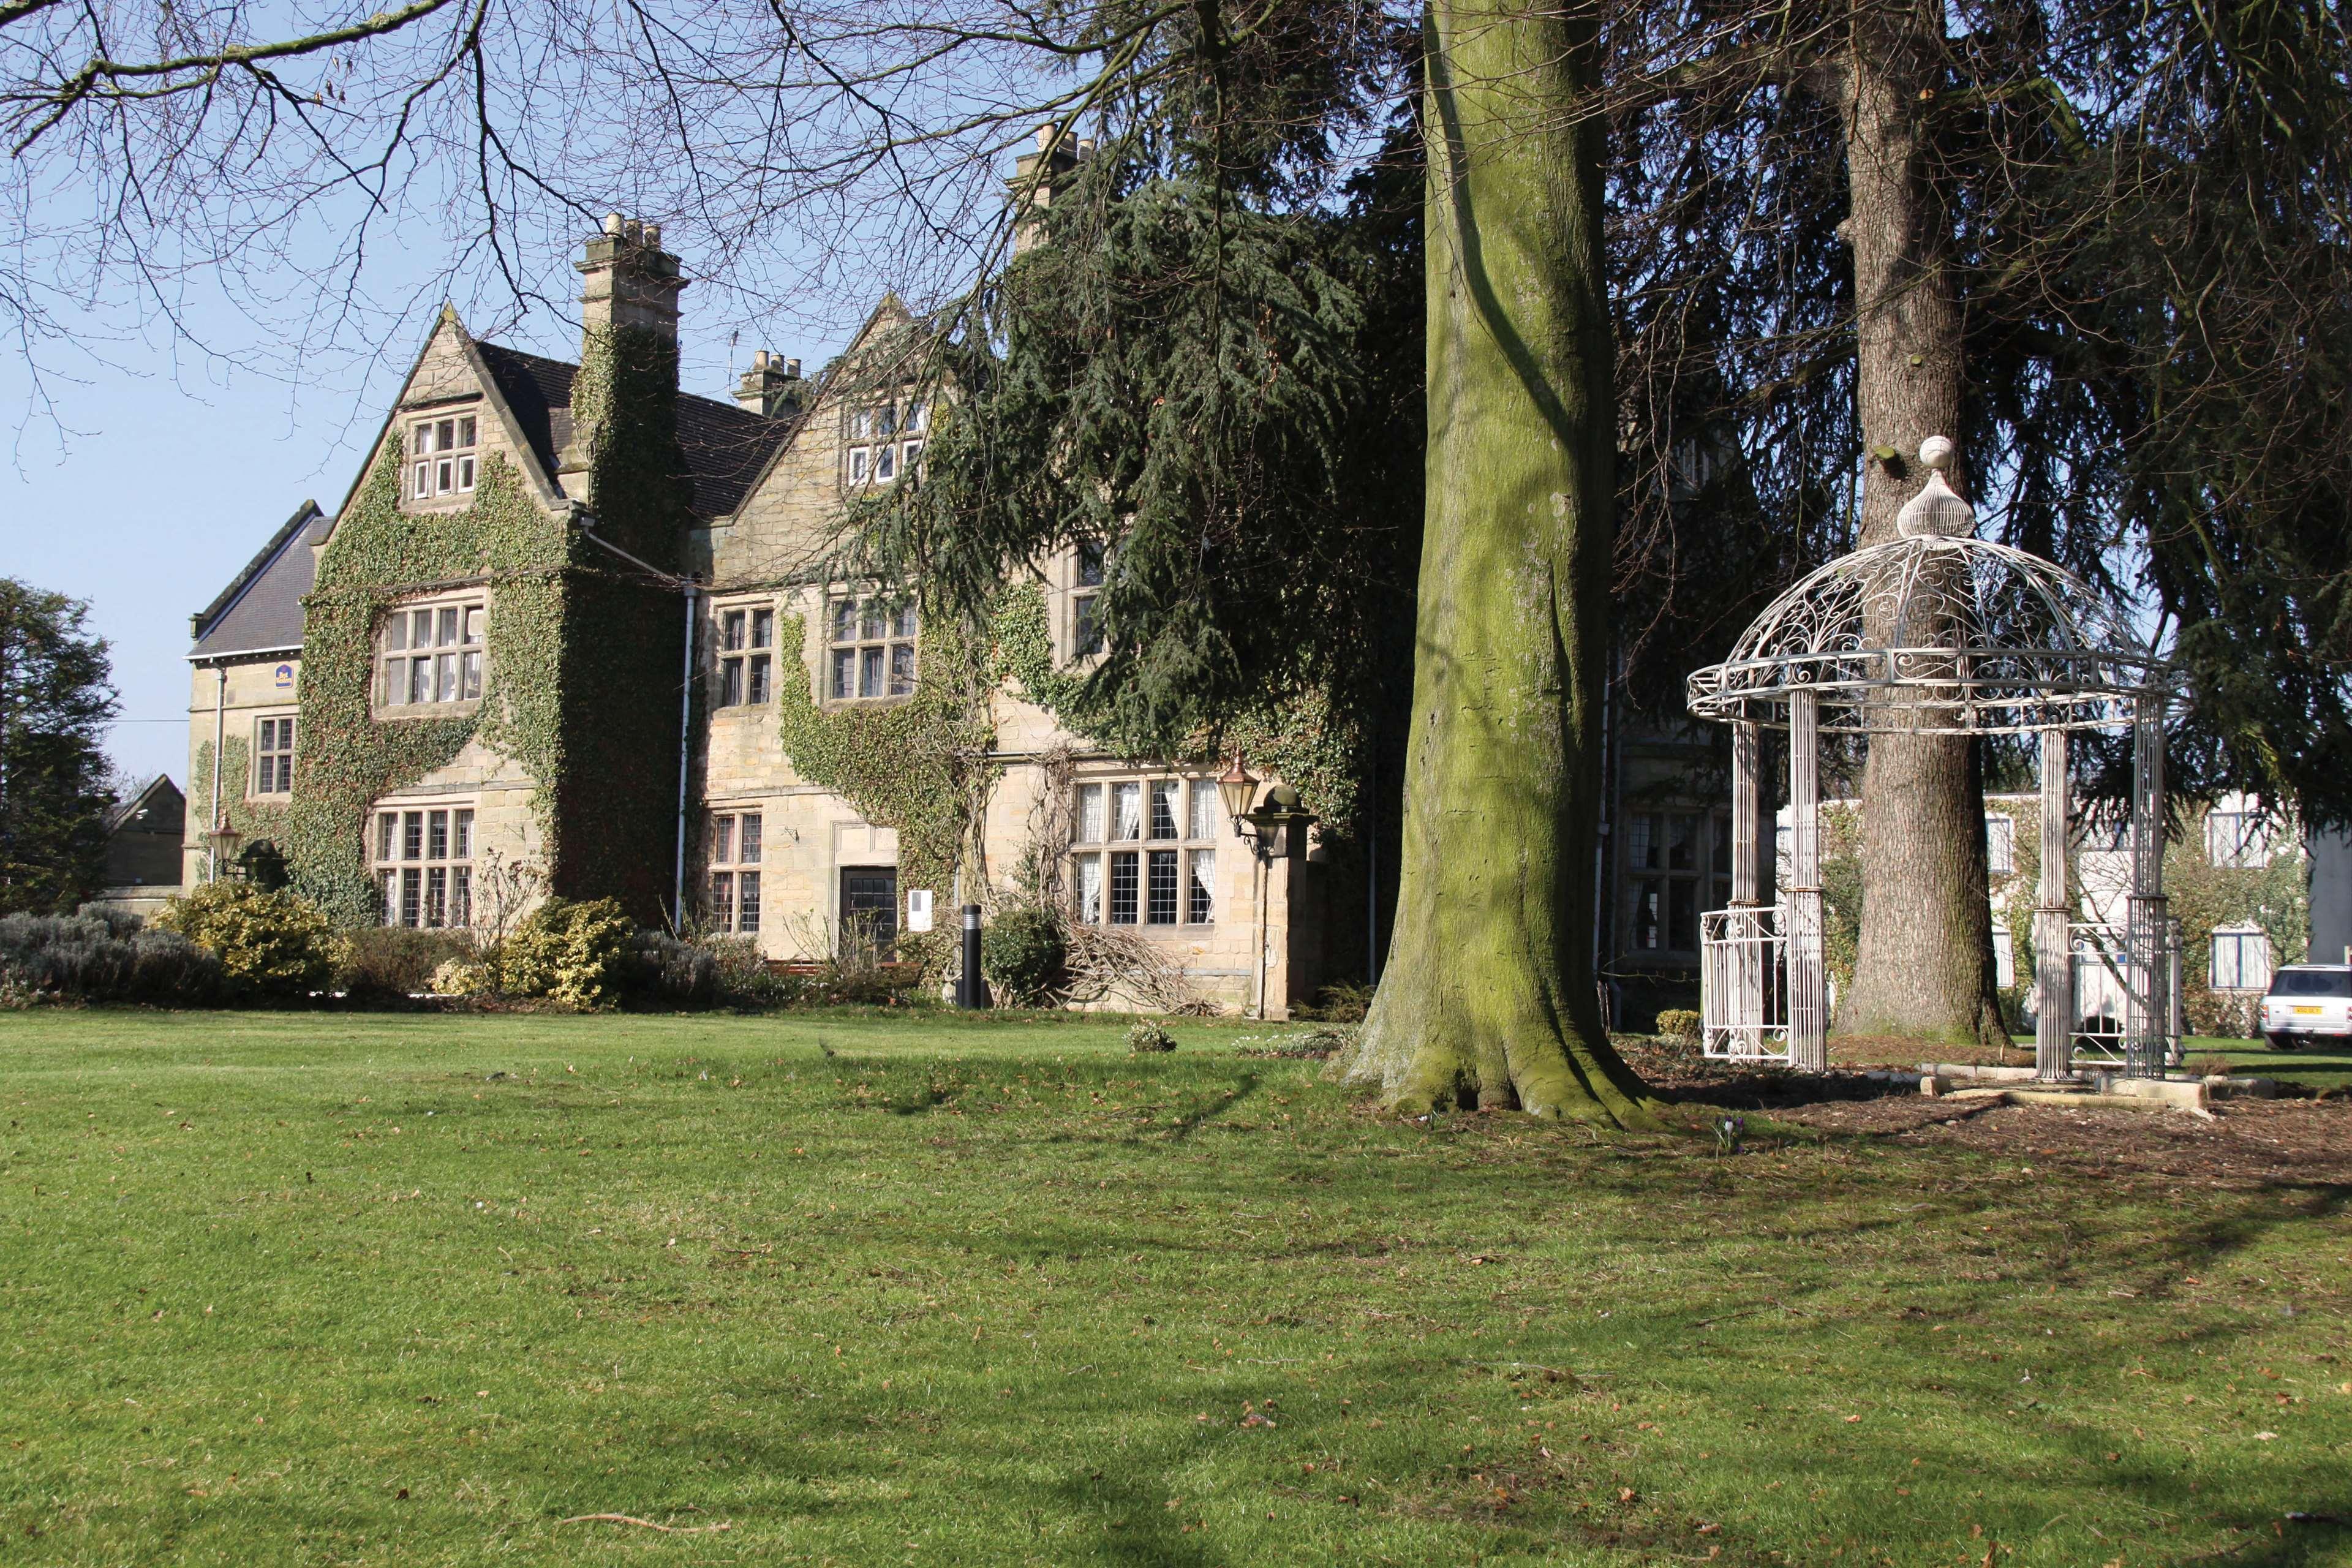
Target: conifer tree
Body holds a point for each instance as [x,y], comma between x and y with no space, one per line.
[55,700]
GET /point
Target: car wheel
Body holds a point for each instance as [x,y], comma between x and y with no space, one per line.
[2282,1041]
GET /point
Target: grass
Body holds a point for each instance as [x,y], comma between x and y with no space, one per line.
[327,1290]
[2319,1065]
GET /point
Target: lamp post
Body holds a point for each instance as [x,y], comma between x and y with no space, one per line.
[223,841]
[1265,830]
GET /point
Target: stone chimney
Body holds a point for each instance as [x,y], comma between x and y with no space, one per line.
[627,279]
[1031,188]
[628,386]
[772,387]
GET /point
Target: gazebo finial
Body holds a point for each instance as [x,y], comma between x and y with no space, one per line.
[1938,509]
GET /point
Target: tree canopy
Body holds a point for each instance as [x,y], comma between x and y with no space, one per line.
[55,700]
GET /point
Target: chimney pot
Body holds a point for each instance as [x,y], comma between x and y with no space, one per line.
[1045,135]
[613,224]
[759,359]
[653,235]
[793,368]
[1086,146]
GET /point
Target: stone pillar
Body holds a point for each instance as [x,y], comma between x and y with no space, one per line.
[2053,960]
[1808,979]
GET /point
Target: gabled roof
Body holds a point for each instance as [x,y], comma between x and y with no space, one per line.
[889,315]
[537,393]
[262,609]
[159,790]
[723,445]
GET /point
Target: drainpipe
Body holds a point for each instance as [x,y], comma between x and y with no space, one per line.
[684,748]
[220,738]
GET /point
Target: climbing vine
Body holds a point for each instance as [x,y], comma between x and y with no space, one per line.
[256,819]
[571,633]
[1305,736]
[920,766]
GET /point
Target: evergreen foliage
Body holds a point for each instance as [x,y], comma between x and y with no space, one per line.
[1022,953]
[55,695]
[2143,207]
[272,945]
[100,957]
[570,951]
[1188,375]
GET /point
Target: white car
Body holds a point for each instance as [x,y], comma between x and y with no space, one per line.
[2306,1000]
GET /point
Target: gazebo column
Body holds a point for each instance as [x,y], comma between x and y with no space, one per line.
[1740,962]
[2054,971]
[1808,984]
[1745,745]
[2148,989]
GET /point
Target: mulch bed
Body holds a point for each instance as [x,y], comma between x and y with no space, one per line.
[2299,1141]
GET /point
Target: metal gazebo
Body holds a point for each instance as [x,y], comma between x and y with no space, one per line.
[1933,633]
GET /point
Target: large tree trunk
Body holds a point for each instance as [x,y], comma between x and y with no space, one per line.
[1925,969]
[1488,996]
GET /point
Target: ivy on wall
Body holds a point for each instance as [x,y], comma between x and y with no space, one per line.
[568,645]
[256,819]
[1303,737]
[920,766]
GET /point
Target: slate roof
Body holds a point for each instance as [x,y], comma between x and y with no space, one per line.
[262,609]
[723,445]
[160,790]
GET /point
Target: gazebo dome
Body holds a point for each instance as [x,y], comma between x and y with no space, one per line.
[1937,632]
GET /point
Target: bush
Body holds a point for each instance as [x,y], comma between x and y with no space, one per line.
[1148,1037]
[460,977]
[271,944]
[101,956]
[568,952]
[744,978]
[661,968]
[397,961]
[1342,1002]
[1678,1024]
[1022,954]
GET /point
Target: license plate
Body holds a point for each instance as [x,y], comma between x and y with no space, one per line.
[2308,1012]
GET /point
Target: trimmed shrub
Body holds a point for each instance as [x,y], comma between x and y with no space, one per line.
[271,944]
[468,977]
[1678,1024]
[397,961]
[1023,955]
[568,952]
[1148,1037]
[103,956]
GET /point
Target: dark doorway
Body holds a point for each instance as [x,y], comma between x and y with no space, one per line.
[869,911]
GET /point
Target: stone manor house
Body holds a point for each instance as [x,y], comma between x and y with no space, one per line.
[571,617]
[484,657]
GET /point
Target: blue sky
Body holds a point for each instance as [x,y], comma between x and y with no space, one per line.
[160,472]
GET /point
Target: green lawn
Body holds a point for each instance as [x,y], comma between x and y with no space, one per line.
[867,1290]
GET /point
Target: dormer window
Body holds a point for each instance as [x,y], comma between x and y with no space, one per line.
[430,654]
[885,442]
[441,457]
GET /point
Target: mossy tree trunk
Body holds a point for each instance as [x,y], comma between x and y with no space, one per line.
[1926,965]
[1488,997]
